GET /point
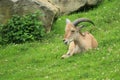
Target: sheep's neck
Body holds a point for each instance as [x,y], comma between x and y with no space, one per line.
[79,41]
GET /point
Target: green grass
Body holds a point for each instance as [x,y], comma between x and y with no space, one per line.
[42,60]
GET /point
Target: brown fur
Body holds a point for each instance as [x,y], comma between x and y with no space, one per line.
[77,41]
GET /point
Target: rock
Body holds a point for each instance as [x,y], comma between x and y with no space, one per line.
[6,10]
[93,2]
[68,6]
[50,8]
[50,12]
[21,7]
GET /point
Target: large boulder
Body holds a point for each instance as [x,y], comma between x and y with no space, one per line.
[50,8]
[5,10]
[93,2]
[68,6]
[21,7]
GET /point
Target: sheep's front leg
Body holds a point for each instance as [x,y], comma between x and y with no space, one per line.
[71,50]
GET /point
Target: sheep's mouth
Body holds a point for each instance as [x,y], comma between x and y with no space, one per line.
[67,42]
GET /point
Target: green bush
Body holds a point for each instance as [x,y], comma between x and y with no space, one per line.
[20,29]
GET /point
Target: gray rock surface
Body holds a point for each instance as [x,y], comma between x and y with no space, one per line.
[50,8]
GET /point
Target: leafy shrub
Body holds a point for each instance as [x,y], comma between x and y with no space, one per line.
[24,28]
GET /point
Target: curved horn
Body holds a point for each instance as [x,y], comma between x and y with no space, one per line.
[77,21]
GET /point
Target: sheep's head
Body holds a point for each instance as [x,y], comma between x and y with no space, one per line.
[71,31]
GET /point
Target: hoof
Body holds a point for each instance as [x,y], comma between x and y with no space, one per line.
[65,56]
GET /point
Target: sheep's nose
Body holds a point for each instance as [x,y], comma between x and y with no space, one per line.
[63,40]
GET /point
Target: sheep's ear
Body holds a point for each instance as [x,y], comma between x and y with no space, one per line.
[68,21]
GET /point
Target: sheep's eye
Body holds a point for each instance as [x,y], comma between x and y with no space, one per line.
[72,30]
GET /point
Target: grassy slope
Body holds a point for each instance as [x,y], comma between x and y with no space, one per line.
[41,61]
